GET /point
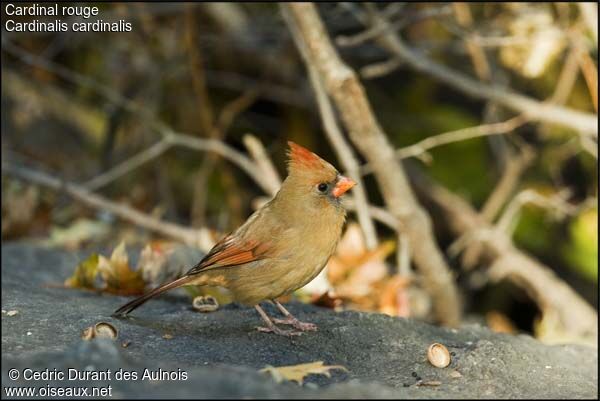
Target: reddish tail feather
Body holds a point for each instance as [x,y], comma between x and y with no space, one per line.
[130,306]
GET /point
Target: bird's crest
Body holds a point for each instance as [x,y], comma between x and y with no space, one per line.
[300,157]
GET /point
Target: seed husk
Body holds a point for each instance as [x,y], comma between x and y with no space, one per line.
[205,304]
[438,355]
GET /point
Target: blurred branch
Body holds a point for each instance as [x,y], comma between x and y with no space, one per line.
[368,34]
[343,150]
[177,139]
[232,109]
[590,73]
[222,149]
[349,97]
[462,134]
[198,237]
[205,109]
[584,123]
[462,12]
[566,79]
[229,16]
[589,12]
[51,100]
[263,162]
[515,166]
[403,256]
[130,164]
[553,296]
[345,154]
[557,203]
[380,69]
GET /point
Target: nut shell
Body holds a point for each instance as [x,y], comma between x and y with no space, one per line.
[438,355]
[100,330]
[105,330]
[205,304]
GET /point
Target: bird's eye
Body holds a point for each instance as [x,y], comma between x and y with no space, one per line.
[322,187]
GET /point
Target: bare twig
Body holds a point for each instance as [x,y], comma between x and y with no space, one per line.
[507,184]
[130,164]
[368,34]
[556,203]
[462,134]
[224,150]
[342,148]
[263,162]
[204,108]
[378,213]
[590,73]
[199,237]
[349,97]
[576,317]
[585,123]
[567,78]
[477,54]
[180,139]
[403,256]
[230,17]
[376,70]
[232,109]
[589,12]
[346,156]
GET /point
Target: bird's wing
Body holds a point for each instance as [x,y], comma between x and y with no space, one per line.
[235,249]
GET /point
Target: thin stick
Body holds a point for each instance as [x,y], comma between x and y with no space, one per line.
[462,134]
[553,296]
[342,148]
[346,156]
[585,123]
[263,162]
[128,165]
[349,97]
[507,184]
[199,237]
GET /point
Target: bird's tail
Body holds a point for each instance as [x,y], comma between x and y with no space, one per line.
[130,306]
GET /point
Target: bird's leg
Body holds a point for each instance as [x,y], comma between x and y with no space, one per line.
[291,320]
[271,328]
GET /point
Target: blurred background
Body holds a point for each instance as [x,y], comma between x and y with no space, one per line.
[164,120]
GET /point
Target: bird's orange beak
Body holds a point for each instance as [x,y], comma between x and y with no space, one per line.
[342,186]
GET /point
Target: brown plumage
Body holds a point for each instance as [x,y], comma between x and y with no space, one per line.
[281,247]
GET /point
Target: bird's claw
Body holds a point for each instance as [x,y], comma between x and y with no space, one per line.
[276,330]
[297,324]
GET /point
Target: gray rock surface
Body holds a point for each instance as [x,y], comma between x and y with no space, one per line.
[222,353]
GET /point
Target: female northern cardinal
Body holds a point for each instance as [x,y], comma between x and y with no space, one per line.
[281,247]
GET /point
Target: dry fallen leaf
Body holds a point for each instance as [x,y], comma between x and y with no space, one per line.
[85,274]
[348,254]
[168,336]
[118,276]
[361,278]
[151,263]
[297,373]
[393,298]
[499,322]
[327,300]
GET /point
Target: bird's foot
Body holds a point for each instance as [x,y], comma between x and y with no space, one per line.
[297,324]
[276,330]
